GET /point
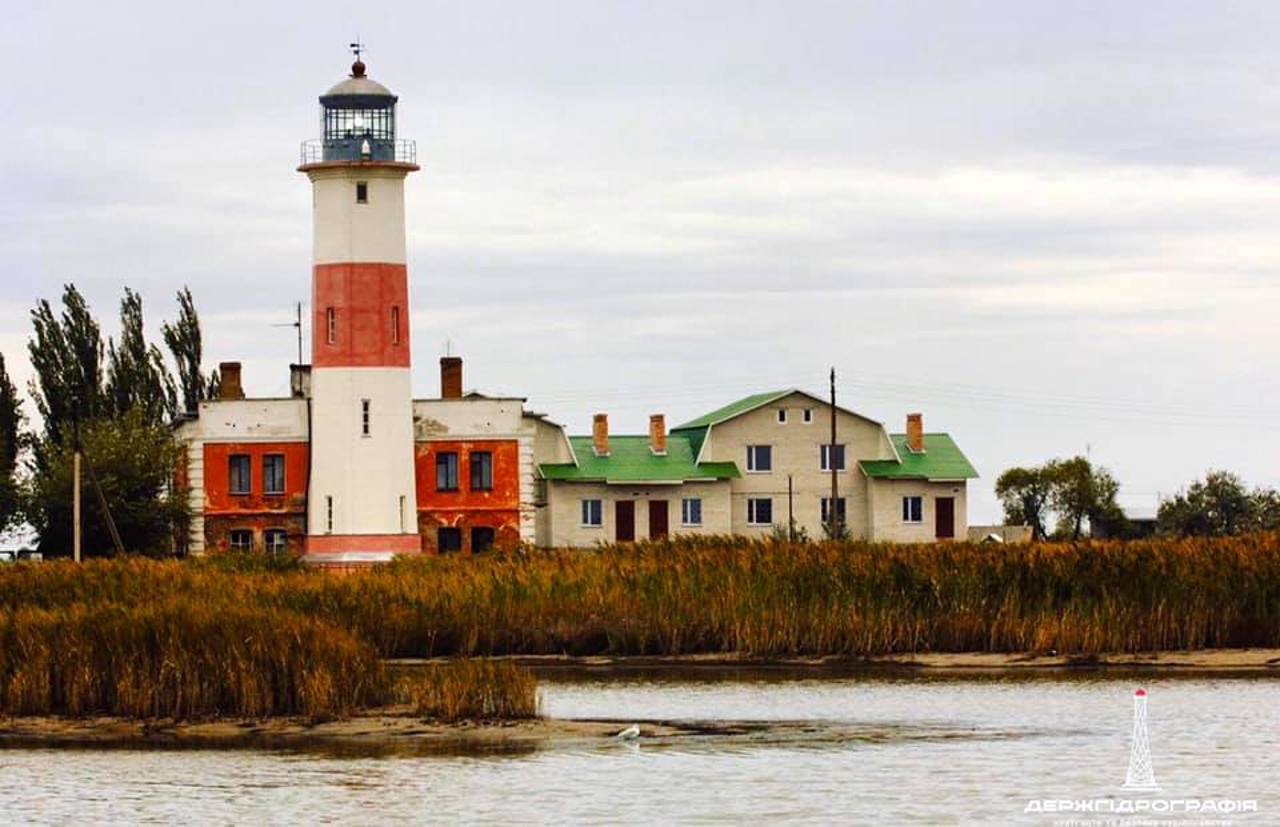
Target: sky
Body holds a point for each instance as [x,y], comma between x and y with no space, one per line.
[1051,227]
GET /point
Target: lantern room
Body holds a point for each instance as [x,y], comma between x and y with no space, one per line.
[358,119]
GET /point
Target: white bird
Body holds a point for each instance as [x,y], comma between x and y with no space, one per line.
[630,733]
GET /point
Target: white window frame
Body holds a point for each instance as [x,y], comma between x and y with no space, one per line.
[808,416]
[275,532]
[825,449]
[782,416]
[686,508]
[586,515]
[752,508]
[907,511]
[752,461]
[231,539]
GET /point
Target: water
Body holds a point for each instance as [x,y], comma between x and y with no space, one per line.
[867,750]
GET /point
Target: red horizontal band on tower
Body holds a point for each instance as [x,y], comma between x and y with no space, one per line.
[360,315]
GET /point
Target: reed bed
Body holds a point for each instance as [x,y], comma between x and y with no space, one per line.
[182,659]
[726,594]
[474,690]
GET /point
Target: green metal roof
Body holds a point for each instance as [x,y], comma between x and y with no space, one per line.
[630,460]
[734,408]
[941,460]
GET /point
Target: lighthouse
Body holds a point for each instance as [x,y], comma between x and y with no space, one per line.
[361,502]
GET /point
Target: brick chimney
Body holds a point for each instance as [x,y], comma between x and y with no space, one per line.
[915,433]
[450,377]
[229,386]
[600,435]
[658,434]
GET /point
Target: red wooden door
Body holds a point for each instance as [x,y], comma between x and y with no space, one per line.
[657,519]
[945,518]
[624,513]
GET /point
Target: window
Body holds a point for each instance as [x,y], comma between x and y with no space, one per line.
[277,540]
[447,471]
[482,537]
[782,416]
[759,511]
[913,509]
[331,325]
[840,510]
[759,458]
[691,511]
[395,325]
[362,192]
[448,539]
[808,415]
[481,471]
[364,417]
[239,473]
[825,458]
[273,474]
[241,539]
[328,514]
[403,500]
[592,512]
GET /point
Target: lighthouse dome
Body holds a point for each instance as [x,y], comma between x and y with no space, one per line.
[359,119]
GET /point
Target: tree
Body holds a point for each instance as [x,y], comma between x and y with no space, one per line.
[66,354]
[1217,506]
[137,377]
[184,342]
[135,461]
[1024,493]
[11,436]
[1080,493]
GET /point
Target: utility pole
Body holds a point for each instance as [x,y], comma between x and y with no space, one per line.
[833,520]
[75,504]
[791,512]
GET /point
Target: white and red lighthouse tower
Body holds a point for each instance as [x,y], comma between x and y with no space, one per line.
[361,500]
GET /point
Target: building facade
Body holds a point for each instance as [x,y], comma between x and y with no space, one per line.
[351,470]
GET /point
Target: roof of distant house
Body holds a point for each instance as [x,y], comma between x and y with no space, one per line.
[630,459]
[941,459]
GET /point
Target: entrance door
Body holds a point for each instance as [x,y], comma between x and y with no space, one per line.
[945,520]
[657,519]
[624,513]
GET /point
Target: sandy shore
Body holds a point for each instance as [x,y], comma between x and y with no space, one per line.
[1261,661]
[395,730]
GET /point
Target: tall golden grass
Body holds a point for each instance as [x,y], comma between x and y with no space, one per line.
[289,629]
[182,659]
[469,689]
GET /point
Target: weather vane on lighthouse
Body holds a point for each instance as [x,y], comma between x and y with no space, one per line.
[357,47]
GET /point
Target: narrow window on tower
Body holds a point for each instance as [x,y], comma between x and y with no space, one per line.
[395,325]
[362,192]
[328,514]
[364,417]
[331,325]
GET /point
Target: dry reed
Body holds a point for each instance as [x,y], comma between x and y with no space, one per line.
[476,690]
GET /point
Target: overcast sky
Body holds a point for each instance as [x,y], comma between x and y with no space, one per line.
[1051,227]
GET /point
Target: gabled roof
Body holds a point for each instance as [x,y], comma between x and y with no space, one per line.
[631,460]
[941,460]
[696,430]
[746,403]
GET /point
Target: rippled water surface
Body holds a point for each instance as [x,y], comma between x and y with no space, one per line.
[871,751]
